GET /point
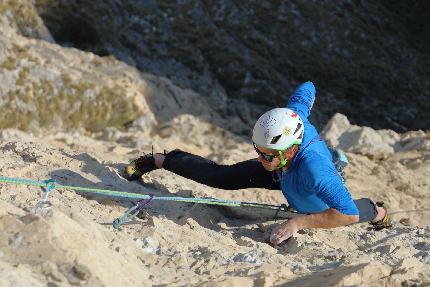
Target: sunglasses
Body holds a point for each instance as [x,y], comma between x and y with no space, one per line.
[265,156]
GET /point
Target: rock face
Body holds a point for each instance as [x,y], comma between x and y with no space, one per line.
[358,53]
[229,53]
[45,86]
[22,17]
[184,244]
[341,134]
[77,117]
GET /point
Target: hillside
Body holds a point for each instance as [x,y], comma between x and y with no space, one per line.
[88,86]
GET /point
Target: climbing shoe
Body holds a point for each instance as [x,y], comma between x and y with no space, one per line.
[384,222]
[139,166]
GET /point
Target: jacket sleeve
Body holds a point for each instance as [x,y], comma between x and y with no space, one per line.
[302,100]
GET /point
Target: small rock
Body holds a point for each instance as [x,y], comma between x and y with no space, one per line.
[412,282]
[222,225]
[245,241]
[425,246]
[81,272]
[149,245]
[384,249]
[16,241]
[265,280]
[43,209]
[29,218]
[50,270]
[76,274]
[262,227]
[251,257]
[405,221]
[143,214]
[421,254]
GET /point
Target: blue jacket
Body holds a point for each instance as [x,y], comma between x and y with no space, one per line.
[311,183]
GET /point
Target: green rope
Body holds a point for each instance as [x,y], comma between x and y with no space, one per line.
[50,184]
[115,193]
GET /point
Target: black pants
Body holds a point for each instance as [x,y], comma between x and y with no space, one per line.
[245,174]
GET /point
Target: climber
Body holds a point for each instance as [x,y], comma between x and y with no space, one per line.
[291,158]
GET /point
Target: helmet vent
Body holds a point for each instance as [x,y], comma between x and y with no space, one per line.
[275,139]
[301,136]
[299,125]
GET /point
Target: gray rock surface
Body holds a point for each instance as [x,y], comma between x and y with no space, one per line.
[369,60]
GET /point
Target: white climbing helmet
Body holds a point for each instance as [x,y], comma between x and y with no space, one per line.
[278,129]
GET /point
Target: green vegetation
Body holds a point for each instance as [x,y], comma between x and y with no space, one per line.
[24,14]
[97,62]
[9,63]
[19,51]
[22,76]
[72,105]
[111,108]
